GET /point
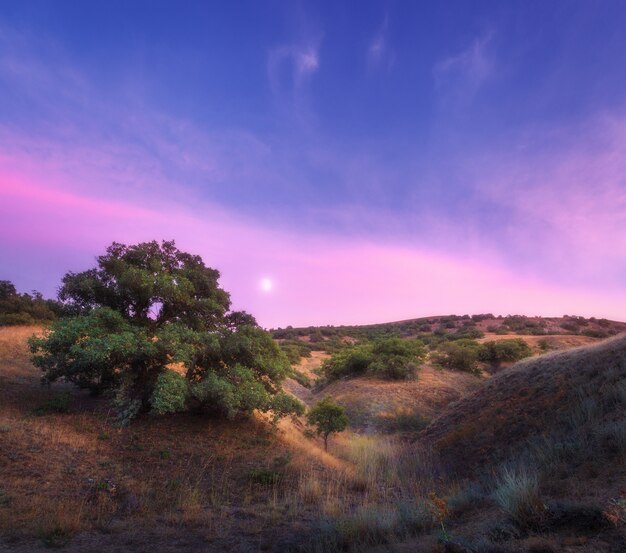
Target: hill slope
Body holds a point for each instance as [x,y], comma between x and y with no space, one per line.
[565,397]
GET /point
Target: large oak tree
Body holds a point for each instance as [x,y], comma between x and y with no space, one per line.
[152,325]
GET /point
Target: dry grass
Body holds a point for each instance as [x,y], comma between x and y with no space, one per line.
[369,401]
[184,481]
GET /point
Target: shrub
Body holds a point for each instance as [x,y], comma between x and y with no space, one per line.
[497,352]
[301,378]
[482,317]
[466,333]
[58,404]
[348,362]
[517,494]
[395,359]
[595,333]
[570,326]
[391,358]
[170,393]
[282,404]
[460,355]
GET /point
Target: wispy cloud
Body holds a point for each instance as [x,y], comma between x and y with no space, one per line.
[461,75]
[339,281]
[379,54]
[289,67]
[565,192]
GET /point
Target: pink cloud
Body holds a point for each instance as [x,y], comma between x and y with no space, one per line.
[321,280]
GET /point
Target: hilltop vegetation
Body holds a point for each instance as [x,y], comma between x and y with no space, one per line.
[25,309]
[456,327]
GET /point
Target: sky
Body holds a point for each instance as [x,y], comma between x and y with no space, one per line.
[338,162]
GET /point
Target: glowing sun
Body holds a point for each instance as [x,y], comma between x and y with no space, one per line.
[266,285]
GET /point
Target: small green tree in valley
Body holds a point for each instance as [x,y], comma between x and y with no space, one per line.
[328,417]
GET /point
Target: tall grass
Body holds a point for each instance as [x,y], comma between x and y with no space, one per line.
[517,494]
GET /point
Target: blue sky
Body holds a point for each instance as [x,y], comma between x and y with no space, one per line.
[481,134]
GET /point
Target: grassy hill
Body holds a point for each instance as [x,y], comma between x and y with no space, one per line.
[530,459]
[573,400]
[450,324]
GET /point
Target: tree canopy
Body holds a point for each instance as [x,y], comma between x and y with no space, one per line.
[328,417]
[16,308]
[152,325]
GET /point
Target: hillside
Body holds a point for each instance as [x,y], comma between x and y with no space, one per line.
[554,395]
[379,405]
[72,479]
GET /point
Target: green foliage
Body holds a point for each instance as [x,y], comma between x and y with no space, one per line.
[170,393]
[295,350]
[352,361]
[301,378]
[396,359]
[58,404]
[328,417]
[99,350]
[283,404]
[465,354]
[391,358]
[460,355]
[145,307]
[24,309]
[523,325]
[499,351]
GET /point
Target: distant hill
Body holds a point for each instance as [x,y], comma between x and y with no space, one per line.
[473,326]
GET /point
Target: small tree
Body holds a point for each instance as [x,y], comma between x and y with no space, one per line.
[328,417]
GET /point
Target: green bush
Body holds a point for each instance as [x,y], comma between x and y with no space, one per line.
[352,361]
[460,355]
[500,351]
[58,404]
[391,358]
[170,393]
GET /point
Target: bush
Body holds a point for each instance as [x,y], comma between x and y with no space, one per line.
[570,326]
[517,494]
[391,358]
[497,352]
[466,333]
[301,378]
[460,355]
[395,359]
[58,404]
[352,361]
[170,393]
